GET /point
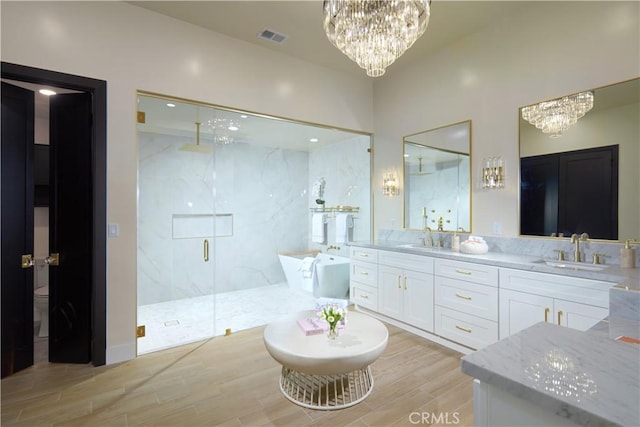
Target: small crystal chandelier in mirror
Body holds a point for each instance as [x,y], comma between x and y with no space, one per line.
[374,33]
[557,115]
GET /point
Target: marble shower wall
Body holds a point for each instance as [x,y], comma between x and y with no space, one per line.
[267,192]
[346,168]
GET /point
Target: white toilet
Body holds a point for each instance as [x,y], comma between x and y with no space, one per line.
[41,303]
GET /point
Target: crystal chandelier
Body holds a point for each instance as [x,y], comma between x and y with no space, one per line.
[557,115]
[220,128]
[374,33]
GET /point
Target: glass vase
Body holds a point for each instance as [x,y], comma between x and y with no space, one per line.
[333,332]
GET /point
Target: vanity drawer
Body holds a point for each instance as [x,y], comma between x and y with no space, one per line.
[470,331]
[420,263]
[470,272]
[365,296]
[364,254]
[467,297]
[364,272]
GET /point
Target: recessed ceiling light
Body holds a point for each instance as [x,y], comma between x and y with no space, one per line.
[170,105]
[47,92]
[244,116]
[232,127]
[313,140]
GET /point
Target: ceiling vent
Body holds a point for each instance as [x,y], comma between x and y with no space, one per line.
[272,36]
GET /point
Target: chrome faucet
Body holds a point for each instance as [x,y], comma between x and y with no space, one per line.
[577,256]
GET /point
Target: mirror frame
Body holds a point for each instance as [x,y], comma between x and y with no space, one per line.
[621,238]
[405,140]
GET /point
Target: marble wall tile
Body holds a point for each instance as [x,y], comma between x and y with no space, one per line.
[266,190]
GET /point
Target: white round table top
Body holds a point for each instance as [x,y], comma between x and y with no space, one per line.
[359,344]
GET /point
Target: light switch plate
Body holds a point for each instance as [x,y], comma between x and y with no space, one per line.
[113,230]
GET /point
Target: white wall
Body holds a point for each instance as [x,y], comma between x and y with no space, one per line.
[133,49]
[556,48]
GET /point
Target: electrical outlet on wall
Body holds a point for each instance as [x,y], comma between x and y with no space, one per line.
[497,228]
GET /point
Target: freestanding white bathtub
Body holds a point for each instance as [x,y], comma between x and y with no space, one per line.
[331,272]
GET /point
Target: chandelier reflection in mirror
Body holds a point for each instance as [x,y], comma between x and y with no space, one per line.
[557,115]
[374,33]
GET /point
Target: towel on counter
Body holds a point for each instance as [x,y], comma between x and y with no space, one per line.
[319,228]
[307,267]
[344,228]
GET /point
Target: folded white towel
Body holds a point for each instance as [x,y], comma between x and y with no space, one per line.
[344,227]
[307,267]
[319,228]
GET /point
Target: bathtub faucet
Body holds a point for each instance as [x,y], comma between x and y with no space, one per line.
[337,248]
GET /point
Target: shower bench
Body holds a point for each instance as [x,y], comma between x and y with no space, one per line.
[319,373]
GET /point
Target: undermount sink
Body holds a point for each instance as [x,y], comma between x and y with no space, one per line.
[568,265]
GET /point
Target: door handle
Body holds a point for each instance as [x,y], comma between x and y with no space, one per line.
[405,283]
[399,277]
[206,250]
[53,259]
[559,317]
[27,261]
[546,314]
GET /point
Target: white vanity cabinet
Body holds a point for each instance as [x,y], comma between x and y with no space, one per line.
[466,302]
[363,277]
[405,286]
[527,298]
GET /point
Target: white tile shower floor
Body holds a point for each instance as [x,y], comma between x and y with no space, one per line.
[173,323]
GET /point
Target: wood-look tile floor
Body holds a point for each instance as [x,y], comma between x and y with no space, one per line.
[233,381]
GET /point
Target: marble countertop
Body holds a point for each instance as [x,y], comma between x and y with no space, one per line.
[628,279]
[582,376]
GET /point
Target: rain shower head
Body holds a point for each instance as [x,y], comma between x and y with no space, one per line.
[197,148]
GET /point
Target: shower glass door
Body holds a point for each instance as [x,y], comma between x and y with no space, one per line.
[176,223]
[225,204]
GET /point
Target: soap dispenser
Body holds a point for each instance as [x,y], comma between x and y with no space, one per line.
[627,256]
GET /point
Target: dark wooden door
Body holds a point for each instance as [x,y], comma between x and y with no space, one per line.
[589,185]
[17,227]
[539,195]
[70,235]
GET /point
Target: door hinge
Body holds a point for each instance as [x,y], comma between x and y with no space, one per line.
[142,117]
[140,331]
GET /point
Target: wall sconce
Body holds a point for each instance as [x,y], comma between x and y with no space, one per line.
[492,172]
[389,184]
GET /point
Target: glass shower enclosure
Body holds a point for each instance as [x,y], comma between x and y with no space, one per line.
[221,193]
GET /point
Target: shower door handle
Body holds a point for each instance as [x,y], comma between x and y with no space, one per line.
[206,250]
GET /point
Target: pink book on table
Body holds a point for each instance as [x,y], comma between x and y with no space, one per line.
[311,326]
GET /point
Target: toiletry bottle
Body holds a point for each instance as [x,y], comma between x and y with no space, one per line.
[455,243]
[627,256]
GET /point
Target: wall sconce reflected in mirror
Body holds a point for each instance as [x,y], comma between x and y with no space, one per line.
[493,172]
[390,184]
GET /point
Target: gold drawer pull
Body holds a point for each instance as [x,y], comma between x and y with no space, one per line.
[468,273]
[546,314]
[405,283]
[364,273]
[399,277]
[363,255]
[467,297]
[364,296]
[467,330]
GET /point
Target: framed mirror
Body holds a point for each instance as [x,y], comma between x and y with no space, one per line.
[585,180]
[437,179]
